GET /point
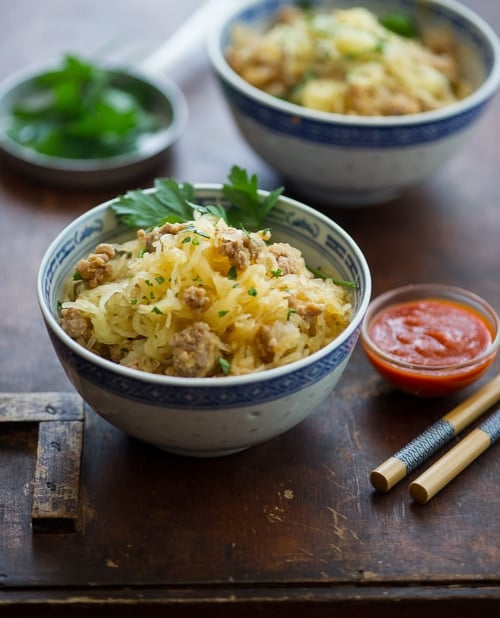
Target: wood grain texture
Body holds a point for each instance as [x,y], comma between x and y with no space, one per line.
[40,407]
[56,485]
[56,482]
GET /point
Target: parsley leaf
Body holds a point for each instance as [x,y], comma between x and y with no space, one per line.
[79,110]
[174,202]
[400,24]
[249,209]
[225,365]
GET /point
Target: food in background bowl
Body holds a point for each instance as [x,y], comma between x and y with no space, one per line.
[358,160]
[207,416]
[430,339]
[349,61]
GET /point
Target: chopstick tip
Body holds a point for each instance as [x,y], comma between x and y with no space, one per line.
[389,473]
[419,493]
[379,481]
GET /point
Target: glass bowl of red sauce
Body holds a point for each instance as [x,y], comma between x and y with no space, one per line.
[430,339]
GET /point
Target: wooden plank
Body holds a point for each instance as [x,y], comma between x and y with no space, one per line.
[57,475]
[37,407]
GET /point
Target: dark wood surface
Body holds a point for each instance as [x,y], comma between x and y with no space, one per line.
[288,528]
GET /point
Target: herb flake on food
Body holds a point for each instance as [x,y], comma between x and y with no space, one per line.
[225,365]
[400,24]
[317,272]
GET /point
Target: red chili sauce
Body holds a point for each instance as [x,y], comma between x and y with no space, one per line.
[427,336]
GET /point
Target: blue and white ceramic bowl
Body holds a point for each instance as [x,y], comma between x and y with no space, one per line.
[206,417]
[352,160]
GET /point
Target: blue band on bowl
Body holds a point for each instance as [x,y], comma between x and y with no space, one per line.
[345,136]
[215,396]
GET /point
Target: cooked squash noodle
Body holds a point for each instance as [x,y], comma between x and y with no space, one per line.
[345,61]
[179,299]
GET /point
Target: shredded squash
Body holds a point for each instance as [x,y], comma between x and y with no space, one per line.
[346,61]
[202,299]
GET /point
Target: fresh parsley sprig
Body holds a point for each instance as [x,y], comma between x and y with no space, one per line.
[249,209]
[174,202]
[79,110]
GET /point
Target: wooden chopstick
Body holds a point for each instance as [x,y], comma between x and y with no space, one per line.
[455,460]
[416,452]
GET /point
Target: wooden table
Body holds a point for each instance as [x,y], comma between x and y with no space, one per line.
[288,528]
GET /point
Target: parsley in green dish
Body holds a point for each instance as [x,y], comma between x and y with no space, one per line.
[80,111]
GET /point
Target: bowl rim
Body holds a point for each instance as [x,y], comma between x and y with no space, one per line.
[163,139]
[211,382]
[427,291]
[479,96]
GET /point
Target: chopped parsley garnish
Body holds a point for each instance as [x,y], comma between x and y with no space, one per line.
[252,291]
[199,232]
[317,272]
[232,273]
[80,111]
[223,312]
[155,309]
[400,24]
[225,365]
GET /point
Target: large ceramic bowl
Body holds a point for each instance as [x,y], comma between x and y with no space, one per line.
[207,416]
[354,160]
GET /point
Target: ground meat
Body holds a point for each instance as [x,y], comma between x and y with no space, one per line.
[440,41]
[378,100]
[239,247]
[196,350]
[195,297]
[265,343]
[289,15]
[75,324]
[307,310]
[142,363]
[95,269]
[288,259]
[119,353]
[149,238]
[398,104]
